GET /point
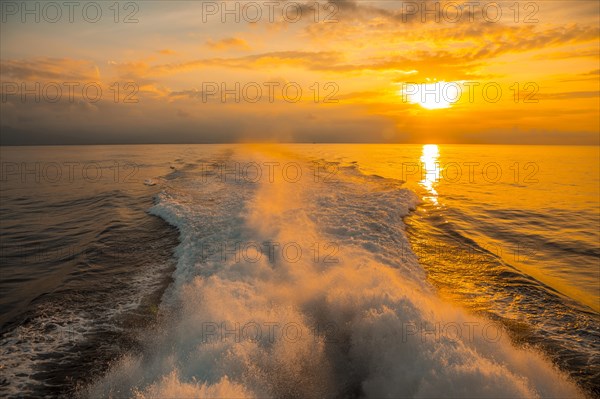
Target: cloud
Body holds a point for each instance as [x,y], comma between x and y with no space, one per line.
[425,63]
[228,43]
[566,55]
[190,122]
[558,36]
[44,69]
[569,95]
[304,59]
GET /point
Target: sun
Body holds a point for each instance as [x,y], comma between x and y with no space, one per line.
[436,95]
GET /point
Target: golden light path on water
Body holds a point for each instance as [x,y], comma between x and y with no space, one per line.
[430,171]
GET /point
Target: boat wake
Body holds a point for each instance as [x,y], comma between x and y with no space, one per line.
[290,285]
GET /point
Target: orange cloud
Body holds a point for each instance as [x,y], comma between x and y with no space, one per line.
[228,43]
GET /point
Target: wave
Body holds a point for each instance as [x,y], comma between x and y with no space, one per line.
[78,281]
[310,289]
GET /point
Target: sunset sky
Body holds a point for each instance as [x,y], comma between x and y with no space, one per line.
[369,59]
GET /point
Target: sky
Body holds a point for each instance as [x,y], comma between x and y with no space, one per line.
[109,72]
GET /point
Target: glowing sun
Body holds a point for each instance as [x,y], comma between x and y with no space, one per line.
[436,95]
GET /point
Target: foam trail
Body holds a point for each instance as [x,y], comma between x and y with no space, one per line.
[368,325]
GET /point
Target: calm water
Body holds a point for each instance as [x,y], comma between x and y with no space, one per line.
[358,270]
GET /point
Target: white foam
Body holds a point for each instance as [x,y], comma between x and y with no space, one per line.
[56,328]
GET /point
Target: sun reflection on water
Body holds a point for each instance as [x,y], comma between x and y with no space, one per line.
[430,171]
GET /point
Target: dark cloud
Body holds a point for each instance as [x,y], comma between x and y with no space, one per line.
[48,69]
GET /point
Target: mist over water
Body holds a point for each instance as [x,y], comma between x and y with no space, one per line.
[308,271]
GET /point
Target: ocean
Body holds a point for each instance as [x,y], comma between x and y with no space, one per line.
[300,270]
